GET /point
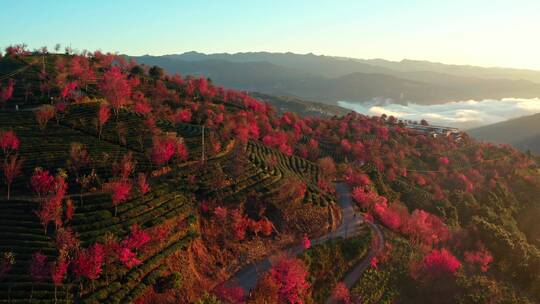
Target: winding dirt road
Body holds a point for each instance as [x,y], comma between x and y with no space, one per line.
[351,224]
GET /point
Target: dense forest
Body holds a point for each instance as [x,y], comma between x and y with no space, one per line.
[123,184]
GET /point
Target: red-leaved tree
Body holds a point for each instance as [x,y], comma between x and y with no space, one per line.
[67,91]
[143,108]
[44,114]
[437,263]
[481,257]
[41,182]
[267,227]
[230,294]
[67,241]
[126,250]
[389,216]
[116,88]
[88,263]
[119,191]
[11,169]
[426,228]
[103,115]
[306,242]
[58,270]
[38,270]
[51,207]
[142,183]
[70,210]
[341,294]
[163,149]
[240,224]
[367,199]
[288,277]
[6,92]
[78,158]
[82,70]
[9,142]
[125,167]
[38,267]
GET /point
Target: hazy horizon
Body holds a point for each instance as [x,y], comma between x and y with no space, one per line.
[335,56]
[458,32]
[51,49]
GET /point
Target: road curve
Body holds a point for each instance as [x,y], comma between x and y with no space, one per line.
[351,223]
[377,246]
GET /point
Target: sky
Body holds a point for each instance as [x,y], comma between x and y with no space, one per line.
[475,32]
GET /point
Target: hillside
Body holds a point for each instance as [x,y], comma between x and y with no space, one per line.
[329,79]
[301,107]
[122,184]
[522,133]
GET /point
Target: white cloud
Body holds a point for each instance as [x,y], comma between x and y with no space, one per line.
[461,114]
[382,110]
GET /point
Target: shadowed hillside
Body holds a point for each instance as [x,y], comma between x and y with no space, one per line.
[523,133]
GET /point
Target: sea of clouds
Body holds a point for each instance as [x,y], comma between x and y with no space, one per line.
[460,114]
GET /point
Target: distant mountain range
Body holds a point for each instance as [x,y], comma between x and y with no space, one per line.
[330,79]
[523,133]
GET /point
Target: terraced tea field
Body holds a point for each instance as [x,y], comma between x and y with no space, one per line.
[23,235]
[50,148]
[284,165]
[264,171]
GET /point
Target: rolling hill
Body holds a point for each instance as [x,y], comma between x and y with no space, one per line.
[522,133]
[122,185]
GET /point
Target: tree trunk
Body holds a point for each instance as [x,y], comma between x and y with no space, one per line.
[80,196]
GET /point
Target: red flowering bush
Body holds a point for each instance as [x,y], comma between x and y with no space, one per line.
[341,294]
[288,278]
[437,263]
[481,257]
[367,199]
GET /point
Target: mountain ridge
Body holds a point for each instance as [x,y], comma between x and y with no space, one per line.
[302,76]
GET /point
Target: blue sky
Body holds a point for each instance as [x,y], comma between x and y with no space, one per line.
[487,33]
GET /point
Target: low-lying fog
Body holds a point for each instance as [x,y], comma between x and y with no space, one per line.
[460,114]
